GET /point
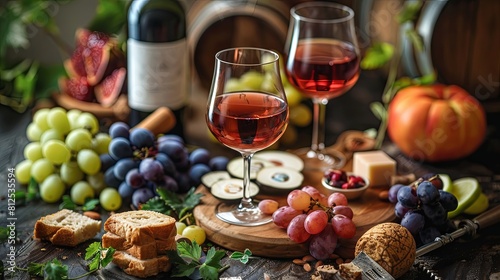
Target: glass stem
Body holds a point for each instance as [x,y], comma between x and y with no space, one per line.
[246,201]
[318,132]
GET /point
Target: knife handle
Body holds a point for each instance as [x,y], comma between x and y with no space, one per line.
[488,218]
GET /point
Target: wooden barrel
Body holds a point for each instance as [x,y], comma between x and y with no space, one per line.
[461,38]
[220,24]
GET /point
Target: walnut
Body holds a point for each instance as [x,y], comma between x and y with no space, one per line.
[391,245]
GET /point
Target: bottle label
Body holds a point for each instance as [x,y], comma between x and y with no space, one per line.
[157,74]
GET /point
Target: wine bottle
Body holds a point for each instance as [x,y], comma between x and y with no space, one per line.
[157,58]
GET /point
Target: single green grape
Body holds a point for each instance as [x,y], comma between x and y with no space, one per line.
[180,226]
[300,115]
[268,58]
[290,136]
[80,192]
[52,188]
[293,96]
[73,115]
[33,151]
[23,171]
[252,80]
[33,132]
[58,120]
[40,118]
[41,169]
[51,134]
[88,121]
[56,151]
[96,181]
[233,85]
[79,139]
[110,199]
[195,233]
[70,173]
[88,161]
[100,143]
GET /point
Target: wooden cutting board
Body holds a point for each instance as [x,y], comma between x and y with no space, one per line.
[271,241]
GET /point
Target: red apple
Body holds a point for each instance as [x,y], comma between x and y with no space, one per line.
[436,123]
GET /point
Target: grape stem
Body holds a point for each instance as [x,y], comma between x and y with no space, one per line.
[328,210]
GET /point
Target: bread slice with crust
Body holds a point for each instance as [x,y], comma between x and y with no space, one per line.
[66,228]
[141,227]
[146,251]
[141,268]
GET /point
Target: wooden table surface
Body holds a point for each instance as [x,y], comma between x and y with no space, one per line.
[464,259]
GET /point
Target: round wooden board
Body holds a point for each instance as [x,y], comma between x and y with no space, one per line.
[271,241]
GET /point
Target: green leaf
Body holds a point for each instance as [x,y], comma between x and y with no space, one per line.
[428,79]
[90,204]
[156,204]
[410,12]
[214,257]
[236,255]
[242,257]
[95,263]
[173,204]
[209,272]
[67,203]
[55,270]
[4,234]
[403,82]
[33,191]
[184,269]
[48,80]
[109,16]
[378,110]
[190,251]
[108,257]
[377,55]
[93,249]
[36,269]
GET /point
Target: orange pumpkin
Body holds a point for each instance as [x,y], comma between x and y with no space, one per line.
[436,123]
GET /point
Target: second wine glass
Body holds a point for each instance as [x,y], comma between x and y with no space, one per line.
[246,120]
[323,62]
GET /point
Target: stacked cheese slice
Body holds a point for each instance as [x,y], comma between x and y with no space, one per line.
[141,239]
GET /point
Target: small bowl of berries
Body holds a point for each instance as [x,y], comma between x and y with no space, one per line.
[351,185]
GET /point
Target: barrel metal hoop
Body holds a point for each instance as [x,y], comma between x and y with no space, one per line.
[425,28]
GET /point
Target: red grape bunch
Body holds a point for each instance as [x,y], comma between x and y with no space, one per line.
[423,207]
[317,218]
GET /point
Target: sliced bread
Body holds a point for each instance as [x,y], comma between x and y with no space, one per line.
[141,226]
[146,251]
[66,228]
[141,268]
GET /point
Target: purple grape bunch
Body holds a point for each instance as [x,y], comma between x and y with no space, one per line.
[423,207]
[138,163]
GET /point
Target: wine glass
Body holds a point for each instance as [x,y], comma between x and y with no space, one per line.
[247,111]
[323,62]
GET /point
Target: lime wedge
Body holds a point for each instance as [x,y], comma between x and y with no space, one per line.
[479,206]
[466,190]
[447,183]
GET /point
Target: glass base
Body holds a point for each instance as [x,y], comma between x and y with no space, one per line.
[241,217]
[315,160]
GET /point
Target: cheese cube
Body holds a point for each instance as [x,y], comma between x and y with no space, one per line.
[376,166]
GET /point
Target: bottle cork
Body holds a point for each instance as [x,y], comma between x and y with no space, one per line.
[160,121]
